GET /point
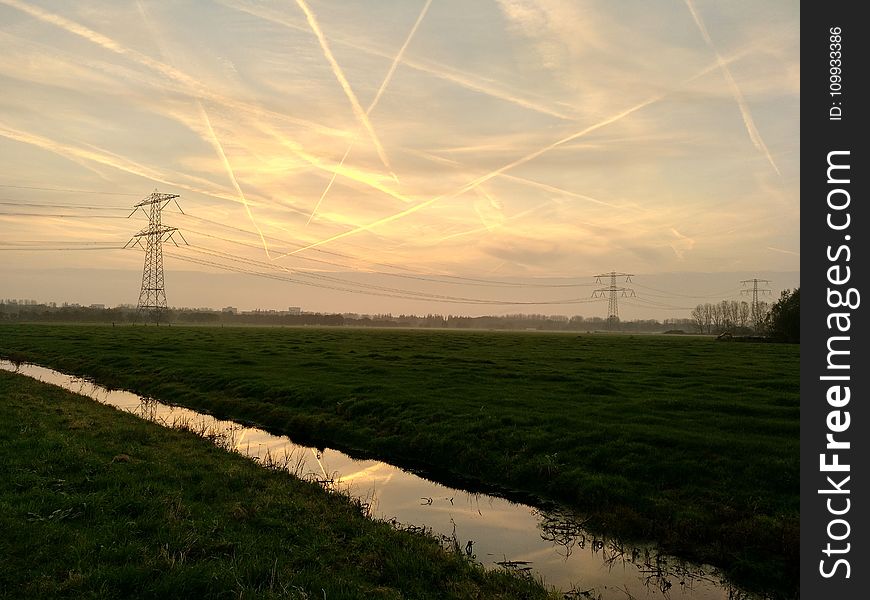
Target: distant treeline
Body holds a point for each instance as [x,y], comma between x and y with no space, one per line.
[34,312]
[779,322]
[728,316]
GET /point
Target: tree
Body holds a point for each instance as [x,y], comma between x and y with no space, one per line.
[783,321]
[727,318]
[698,318]
[744,314]
[717,316]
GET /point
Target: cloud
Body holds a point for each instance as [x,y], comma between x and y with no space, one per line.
[529,252]
[561,30]
[682,244]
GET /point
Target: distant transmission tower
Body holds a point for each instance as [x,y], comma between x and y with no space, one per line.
[756,305]
[613,292]
[152,297]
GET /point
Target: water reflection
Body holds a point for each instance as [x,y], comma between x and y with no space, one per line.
[493,531]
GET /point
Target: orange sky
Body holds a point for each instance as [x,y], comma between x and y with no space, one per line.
[505,139]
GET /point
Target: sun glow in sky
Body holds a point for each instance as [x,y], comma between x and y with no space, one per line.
[487,139]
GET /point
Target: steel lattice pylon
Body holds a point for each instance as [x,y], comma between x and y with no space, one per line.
[612,291]
[756,304]
[152,297]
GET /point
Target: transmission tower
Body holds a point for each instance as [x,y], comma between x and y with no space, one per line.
[613,292]
[152,297]
[756,305]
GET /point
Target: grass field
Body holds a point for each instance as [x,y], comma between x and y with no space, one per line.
[98,503]
[686,441]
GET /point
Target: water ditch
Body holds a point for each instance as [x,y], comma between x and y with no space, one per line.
[498,533]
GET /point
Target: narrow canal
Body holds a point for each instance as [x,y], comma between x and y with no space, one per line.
[496,532]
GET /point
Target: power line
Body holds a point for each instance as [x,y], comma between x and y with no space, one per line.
[7,202]
[382,264]
[24,214]
[654,304]
[22,249]
[423,295]
[728,292]
[19,242]
[411,273]
[294,275]
[493,283]
[288,279]
[367,289]
[465,281]
[355,287]
[50,189]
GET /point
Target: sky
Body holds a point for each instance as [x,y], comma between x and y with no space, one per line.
[445,156]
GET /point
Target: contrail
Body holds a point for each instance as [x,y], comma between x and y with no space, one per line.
[102,156]
[484,178]
[493,203]
[436,70]
[399,56]
[192,123]
[489,229]
[345,85]
[220,151]
[200,180]
[784,251]
[363,177]
[74,153]
[682,244]
[434,158]
[374,102]
[319,464]
[200,90]
[331,181]
[121,164]
[754,135]
[212,136]
[241,439]
[558,190]
[483,229]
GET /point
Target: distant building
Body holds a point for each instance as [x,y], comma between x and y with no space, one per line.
[232,310]
[294,310]
[98,306]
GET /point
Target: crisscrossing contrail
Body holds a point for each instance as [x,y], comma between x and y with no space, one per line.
[748,121]
[345,85]
[384,84]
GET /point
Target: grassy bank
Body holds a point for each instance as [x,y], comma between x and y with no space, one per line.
[690,442]
[98,503]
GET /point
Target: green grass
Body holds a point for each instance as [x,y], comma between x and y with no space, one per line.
[686,441]
[180,518]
